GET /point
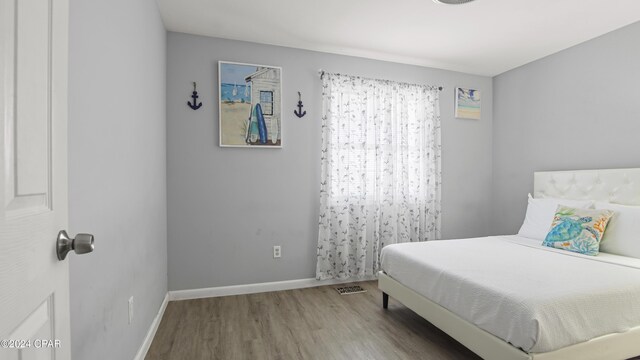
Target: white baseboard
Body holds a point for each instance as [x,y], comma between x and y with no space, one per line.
[146,344]
[256,288]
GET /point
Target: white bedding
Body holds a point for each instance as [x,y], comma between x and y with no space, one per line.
[537,298]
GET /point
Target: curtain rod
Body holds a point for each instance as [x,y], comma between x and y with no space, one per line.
[322,72]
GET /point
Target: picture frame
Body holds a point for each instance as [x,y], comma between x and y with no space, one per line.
[468,103]
[249,105]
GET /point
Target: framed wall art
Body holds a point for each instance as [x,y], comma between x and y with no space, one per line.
[250,105]
[467,103]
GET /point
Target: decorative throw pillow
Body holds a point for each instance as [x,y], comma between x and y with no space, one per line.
[578,230]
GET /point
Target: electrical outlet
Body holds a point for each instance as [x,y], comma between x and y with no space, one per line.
[277,251]
[130,309]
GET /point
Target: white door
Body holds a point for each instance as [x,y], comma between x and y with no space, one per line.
[34,284]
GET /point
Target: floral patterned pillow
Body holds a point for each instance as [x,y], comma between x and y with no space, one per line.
[578,230]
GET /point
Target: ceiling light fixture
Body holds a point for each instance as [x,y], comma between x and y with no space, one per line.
[452,2]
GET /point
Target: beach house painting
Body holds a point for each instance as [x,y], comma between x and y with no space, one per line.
[467,104]
[250,105]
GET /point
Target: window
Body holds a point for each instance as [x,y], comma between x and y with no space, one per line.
[382,141]
[266,102]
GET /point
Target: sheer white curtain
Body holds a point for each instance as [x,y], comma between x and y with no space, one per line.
[380,171]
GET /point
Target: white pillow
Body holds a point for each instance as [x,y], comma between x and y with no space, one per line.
[540,213]
[622,236]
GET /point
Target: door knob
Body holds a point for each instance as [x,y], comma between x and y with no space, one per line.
[81,244]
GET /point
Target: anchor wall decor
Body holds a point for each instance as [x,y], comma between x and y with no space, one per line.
[194,95]
[299,113]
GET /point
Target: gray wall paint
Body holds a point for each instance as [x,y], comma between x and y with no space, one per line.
[117,173]
[228,207]
[576,109]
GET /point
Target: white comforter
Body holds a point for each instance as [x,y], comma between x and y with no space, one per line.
[536,298]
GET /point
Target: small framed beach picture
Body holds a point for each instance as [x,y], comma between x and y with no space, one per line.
[250,105]
[467,103]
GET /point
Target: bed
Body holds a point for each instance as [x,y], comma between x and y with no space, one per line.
[531,302]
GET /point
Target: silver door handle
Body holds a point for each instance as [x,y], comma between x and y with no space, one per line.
[81,244]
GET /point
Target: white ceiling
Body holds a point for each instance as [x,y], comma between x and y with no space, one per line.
[485,37]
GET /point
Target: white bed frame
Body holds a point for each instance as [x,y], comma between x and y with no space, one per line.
[621,186]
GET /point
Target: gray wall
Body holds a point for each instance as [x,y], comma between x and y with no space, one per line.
[576,109]
[221,226]
[117,173]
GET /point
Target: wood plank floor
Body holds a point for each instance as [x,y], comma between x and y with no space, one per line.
[313,323]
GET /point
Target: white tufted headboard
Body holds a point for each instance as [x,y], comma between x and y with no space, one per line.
[620,186]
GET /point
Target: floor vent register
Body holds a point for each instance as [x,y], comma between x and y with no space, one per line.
[348,290]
